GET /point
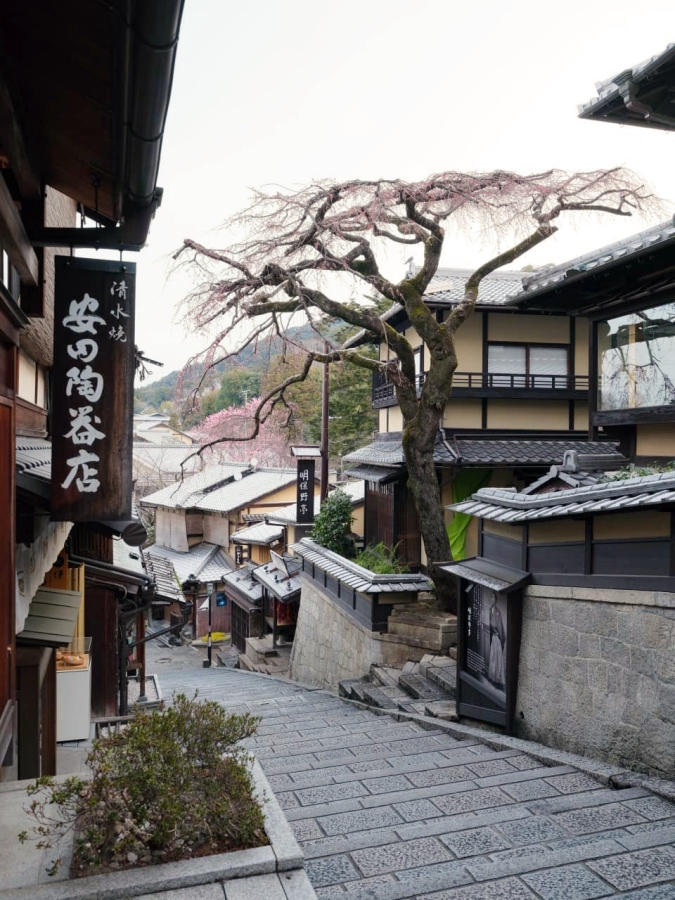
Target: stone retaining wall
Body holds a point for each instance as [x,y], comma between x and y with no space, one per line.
[329,646]
[597,674]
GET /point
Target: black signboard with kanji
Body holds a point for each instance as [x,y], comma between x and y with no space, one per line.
[92,383]
[305,500]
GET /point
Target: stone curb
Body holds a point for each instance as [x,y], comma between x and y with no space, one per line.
[283,854]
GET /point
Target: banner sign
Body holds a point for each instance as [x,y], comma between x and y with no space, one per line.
[92,390]
[305,499]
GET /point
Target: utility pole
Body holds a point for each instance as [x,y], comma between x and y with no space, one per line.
[324,428]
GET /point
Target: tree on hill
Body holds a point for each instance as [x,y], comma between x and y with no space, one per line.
[301,248]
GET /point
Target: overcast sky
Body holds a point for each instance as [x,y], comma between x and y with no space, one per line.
[286,91]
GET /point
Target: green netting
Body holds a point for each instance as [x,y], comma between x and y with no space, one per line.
[465,483]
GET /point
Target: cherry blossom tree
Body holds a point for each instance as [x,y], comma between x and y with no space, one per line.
[230,431]
[304,250]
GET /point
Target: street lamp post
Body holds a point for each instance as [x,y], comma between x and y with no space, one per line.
[207,661]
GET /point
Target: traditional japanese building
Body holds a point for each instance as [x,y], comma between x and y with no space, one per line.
[83,99]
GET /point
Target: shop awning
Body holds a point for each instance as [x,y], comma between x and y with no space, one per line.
[51,618]
[492,575]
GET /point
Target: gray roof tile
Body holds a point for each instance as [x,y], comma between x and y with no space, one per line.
[206,562]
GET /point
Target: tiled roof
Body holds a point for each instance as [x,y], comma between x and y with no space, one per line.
[619,251]
[241,580]
[34,456]
[390,453]
[278,582]
[646,492]
[168,458]
[260,533]
[216,490]
[609,89]
[166,580]
[369,473]
[206,562]
[447,289]
[356,577]
[535,453]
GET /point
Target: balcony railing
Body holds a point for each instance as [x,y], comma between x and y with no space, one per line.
[487,384]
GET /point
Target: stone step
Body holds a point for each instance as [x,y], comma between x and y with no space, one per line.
[352,689]
[420,688]
[385,676]
[444,677]
[377,696]
[442,709]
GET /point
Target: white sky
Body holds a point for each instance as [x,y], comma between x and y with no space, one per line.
[286,91]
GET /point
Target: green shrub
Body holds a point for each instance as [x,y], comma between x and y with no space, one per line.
[170,785]
[381,559]
[333,524]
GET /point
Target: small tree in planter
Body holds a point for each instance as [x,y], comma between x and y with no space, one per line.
[333,524]
[172,785]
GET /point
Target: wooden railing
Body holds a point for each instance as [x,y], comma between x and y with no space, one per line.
[485,383]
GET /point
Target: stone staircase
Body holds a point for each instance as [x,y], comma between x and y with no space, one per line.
[427,687]
[261,657]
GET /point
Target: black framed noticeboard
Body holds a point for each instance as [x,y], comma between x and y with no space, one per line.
[489,629]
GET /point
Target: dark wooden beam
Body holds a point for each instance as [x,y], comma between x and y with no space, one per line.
[14,146]
[14,237]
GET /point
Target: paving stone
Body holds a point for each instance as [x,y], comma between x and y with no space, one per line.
[280,782]
[568,883]
[665,892]
[441,776]
[360,820]
[322,775]
[633,870]
[529,790]
[599,798]
[337,753]
[656,838]
[483,870]
[582,821]
[330,793]
[531,831]
[651,826]
[414,810]
[652,807]
[471,800]
[491,767]
[403,856]
[573,783]
[461,823]
[474,842]
[504,889]
[517,852]
[333,870]
[371,765]
[287,800]
[386,784]
[306,829]
[526,762]
[357,840]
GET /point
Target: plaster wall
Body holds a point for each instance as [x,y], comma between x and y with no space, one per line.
[655,440]
[597,674]
[470,345]
[462,414]
[581,346]
[528,329]
[580,416]
[528,415]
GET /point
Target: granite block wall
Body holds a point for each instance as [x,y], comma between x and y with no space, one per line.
[329,646]
[597,674]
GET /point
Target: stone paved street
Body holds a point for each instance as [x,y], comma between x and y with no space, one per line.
[386,810]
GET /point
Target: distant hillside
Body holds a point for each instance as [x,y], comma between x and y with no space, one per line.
[163,391]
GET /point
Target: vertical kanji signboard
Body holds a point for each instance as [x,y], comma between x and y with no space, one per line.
[305,494]
[92,390]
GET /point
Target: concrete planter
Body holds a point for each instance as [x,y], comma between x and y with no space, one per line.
[243,873]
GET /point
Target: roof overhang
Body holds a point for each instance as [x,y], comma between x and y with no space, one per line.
[641,96]
[51,618]
[477,570]
[84,92]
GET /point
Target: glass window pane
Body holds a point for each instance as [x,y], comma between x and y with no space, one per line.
[548,367]
[509,361]
[636,359]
